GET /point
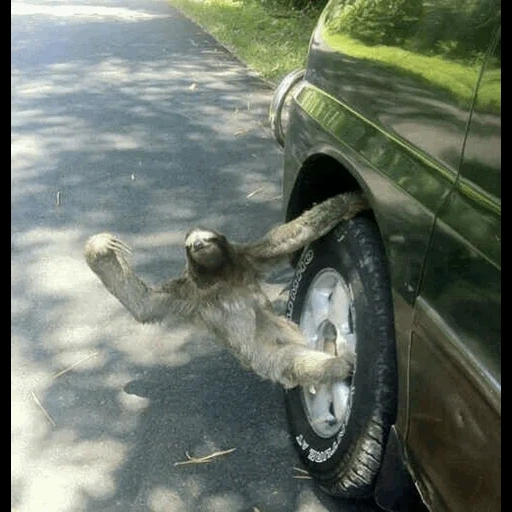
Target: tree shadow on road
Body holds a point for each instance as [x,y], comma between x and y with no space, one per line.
[128,118]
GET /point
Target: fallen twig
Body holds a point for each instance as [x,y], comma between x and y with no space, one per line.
[254,192]
[74,365]
[203,460]
[40,405]
[242,131]
[303,476]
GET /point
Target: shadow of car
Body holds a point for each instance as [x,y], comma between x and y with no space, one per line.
[401,100]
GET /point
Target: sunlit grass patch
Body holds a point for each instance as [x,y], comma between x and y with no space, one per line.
[272,42]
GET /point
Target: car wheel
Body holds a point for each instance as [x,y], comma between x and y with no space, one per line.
[341,293]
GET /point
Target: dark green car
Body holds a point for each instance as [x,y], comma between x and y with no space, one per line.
[401,99]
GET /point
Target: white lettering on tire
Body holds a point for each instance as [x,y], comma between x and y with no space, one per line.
[319,456]
[299,272]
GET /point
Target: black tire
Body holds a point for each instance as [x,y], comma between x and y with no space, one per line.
[347,463]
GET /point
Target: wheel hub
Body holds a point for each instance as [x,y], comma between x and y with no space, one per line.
[327,321]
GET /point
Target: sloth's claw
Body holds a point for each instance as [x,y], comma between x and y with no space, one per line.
[119,246]
[102,245]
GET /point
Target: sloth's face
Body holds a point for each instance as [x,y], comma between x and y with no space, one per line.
[206,247]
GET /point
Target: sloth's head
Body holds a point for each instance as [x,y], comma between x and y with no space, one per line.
[207,251]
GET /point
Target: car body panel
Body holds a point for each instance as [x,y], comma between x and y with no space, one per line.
[455,375]
[453,446]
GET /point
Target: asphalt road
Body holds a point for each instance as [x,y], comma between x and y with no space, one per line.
[128,118]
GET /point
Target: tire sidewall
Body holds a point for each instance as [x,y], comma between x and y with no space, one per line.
[341,251]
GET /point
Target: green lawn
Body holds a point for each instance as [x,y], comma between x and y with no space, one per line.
[271,41]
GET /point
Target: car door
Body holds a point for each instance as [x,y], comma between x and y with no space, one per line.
[454,429]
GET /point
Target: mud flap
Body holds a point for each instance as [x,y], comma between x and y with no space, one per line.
[395,490]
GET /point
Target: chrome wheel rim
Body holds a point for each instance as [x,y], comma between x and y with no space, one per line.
[328,321]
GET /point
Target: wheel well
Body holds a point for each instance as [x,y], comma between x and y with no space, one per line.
[320,177]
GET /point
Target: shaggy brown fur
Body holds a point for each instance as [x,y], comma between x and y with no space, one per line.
[220,290]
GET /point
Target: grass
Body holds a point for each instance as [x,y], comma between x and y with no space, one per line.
[270,40]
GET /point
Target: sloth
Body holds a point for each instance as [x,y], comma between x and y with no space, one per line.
[220,290]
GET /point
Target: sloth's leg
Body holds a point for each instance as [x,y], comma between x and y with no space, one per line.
[288,238]
[293,365]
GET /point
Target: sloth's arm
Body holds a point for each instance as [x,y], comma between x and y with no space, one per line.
[288,238]
[106,256]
